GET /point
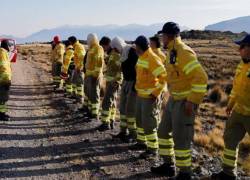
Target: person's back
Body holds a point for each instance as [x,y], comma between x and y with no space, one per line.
[5,69]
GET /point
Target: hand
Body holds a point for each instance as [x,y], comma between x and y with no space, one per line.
[189,108]
[229,111]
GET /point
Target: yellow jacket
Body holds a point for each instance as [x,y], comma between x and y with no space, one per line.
[79,53]
[5,68]
[113,72]
[240,96]
[58,53]
[95,61]
[186,79]
[160,54]
[150,75]
[68,56]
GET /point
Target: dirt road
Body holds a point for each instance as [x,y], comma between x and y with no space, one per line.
[48,139]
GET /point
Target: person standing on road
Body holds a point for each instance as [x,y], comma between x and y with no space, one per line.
[5,79]
[94,72]
[113,80]
[57,54]
[68,67]
[239,111]
[77,77]
[187,85]
[128,94]
[150,83]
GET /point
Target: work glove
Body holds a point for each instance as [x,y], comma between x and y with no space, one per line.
[229,110]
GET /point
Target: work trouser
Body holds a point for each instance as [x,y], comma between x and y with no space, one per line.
[4,97]
[77,83]
[109,102]
[68,82]
[147,113]
[175,133]
[127,107]
[236,128]
[86,85]
[93,93]
[56,72]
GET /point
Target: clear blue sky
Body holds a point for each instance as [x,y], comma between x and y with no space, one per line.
[23,17]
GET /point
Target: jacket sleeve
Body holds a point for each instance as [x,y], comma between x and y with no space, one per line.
[159,72]
[68,56]
[233,94]
[99,62]
[193,69]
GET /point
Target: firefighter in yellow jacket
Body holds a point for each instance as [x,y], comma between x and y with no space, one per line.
[68,67]
[113,79]
[187,85]
[239,111]
[155,44]
[150,82]
[5,79]
[77,77]
[94,69]
[57,60]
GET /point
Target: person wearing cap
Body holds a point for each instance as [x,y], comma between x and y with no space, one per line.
[68,67]
[57,55]
[77,77]
[150,83]
[105,42]
[155,45]
[113,79]
[128,61]
[187,85]
[5,79]
[94,71]
[238,109]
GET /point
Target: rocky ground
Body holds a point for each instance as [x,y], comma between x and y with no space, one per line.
[48,139]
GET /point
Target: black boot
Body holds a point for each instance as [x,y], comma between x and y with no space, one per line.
[148,154]
[222,176]
[103,127]
[138,147]
[4,117]
[112,124]
[164,170]
[182,176]
[130,138]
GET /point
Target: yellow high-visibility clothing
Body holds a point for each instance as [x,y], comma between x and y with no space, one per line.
[58,53]
[95,61]
[186,78]
[150,75]
[240,96]
[5,67]
[160,54]
[69,55]
[79,53]
[113,73]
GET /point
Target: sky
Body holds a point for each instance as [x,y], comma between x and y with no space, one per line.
[24,17]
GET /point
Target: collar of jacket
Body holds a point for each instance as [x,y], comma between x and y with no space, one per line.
[146,53]
[70,47]
[4,50]
[174,43]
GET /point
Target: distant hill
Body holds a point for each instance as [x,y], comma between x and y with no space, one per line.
[236,25]
[128,32]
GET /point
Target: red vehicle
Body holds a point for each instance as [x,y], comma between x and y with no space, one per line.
[13,49]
